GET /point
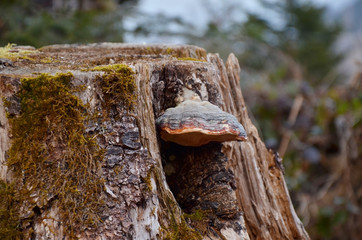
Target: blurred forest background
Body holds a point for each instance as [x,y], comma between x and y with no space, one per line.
[301,78]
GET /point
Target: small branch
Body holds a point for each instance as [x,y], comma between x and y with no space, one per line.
[297,105]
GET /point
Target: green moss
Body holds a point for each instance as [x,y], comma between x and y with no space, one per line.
[197,215]
[190,59]
[169,51]
[51,156]
[178,230]
[27,58]
[199,219]
[9,52]
[118,85]
[147,180]
[9,215]
[48,60]
[181,231]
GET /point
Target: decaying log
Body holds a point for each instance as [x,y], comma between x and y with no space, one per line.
[150,188]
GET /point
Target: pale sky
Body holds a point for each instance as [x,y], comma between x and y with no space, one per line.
[196,10]
[200,12]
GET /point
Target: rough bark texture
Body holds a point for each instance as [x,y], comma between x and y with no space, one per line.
[155,189]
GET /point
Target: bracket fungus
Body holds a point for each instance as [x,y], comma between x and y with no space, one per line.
[196,123]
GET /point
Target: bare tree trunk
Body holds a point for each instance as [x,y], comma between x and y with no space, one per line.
[148,188]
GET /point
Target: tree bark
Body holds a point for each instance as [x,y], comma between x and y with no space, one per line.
[153,189]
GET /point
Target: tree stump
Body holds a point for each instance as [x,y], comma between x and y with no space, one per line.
[81,156]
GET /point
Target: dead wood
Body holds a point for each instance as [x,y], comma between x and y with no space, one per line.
[152,189]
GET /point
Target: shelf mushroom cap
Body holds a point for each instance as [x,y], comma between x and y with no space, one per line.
[196,123]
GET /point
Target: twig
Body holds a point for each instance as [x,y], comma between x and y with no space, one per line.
[297,105]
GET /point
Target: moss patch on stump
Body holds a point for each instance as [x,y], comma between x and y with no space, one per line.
[52,157]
